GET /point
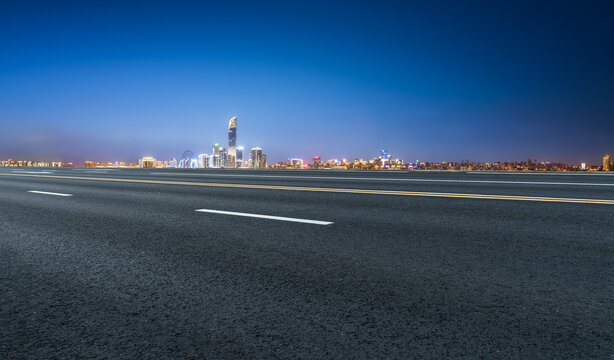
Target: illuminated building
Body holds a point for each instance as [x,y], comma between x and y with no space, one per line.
[316,162]
[216,155]
[203,161]
[607,163]
[385,157]
[232,142]
[239,158]
[296,163]
[257,158]
[147,162]
[222,158]
[332,162]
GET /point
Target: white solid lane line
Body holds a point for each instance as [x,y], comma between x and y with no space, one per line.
[390,179]
[48,193]
[281,218]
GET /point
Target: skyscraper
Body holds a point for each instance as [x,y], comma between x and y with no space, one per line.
[239,159]
[385,158]
[232,141]
[222,159]
[216,155]
[203,161]
[257,158]
[607,163]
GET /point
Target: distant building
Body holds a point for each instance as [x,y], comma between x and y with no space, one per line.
[607,165]
[296,163]
[316,162]
[257,158]
[147,162]
[385,158]
[216,155]
[222,159]
[211,161]
[203,161]
[239,157]
[232,142]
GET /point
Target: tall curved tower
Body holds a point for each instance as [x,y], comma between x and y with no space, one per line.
[232,142]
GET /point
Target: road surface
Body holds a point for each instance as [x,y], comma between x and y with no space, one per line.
[170,263]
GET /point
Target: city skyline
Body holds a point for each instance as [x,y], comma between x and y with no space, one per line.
[232,157]
[425,81]
[220,157]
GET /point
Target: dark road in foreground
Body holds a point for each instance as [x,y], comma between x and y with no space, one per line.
[169,263]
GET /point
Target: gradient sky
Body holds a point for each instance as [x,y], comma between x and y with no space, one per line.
[432,80]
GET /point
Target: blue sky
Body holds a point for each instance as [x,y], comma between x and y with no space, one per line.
[443,80]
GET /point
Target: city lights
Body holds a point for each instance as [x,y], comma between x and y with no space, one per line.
[232,158]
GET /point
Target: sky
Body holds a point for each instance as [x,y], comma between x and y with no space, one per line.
[428,80]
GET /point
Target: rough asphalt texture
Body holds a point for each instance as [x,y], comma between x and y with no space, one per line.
[124,270]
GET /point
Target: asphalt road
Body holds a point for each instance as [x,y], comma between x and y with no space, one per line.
[374,265]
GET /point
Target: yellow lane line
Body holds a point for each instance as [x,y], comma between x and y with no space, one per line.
[333,190]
